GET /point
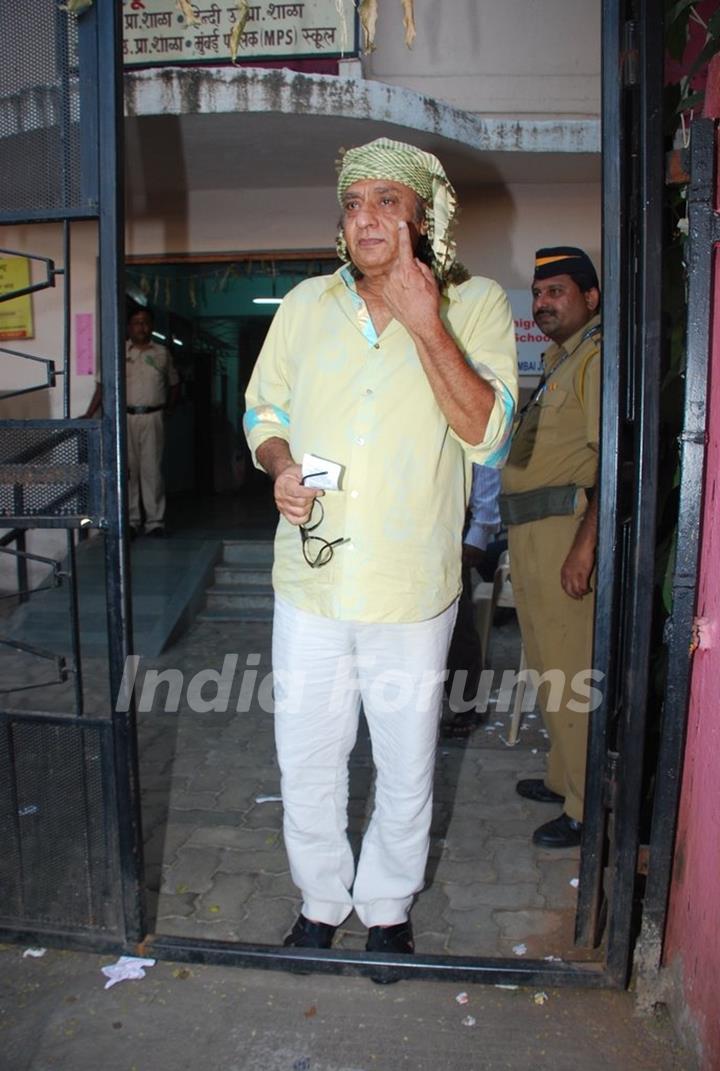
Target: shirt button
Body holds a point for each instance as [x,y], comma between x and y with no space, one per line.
[360,441]
[377,346]
[368,391]
[354,494]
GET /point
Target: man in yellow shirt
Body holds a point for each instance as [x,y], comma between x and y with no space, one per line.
[388,378]
[550,507]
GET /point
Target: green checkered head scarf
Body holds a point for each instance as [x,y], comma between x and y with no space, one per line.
[421,172]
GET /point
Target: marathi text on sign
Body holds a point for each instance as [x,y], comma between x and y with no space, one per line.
[154,31]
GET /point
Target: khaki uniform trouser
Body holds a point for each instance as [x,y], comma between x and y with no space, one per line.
[557,634]
[145,438]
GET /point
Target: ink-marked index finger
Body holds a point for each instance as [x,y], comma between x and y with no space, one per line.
[405,248]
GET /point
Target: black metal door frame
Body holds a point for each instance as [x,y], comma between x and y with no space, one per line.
[632,187]
[82,830]
[702,250]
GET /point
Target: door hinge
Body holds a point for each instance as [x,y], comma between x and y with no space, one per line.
[610,780]
[630,57]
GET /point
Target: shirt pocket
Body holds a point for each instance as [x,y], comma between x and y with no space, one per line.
[552,403]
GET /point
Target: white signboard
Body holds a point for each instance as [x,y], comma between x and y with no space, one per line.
[155,32]
[531,342]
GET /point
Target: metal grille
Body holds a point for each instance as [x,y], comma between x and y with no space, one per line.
[39,110]
[46,472]
[56,863]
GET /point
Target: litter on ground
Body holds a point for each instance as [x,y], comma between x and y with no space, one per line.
[126,969]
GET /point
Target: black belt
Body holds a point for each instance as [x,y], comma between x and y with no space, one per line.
[524,506]
[138,410]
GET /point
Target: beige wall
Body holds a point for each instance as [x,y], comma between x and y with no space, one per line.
[500,226]
[532,57]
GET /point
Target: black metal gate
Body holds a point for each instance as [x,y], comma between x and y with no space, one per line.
[70,845]
[70,838]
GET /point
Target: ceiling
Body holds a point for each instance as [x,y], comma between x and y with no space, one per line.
[256,151]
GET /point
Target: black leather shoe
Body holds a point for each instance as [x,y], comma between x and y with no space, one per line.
[396,939]
[533,788]
[308,934]
[562,832]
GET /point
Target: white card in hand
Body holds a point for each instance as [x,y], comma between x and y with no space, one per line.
[319,472]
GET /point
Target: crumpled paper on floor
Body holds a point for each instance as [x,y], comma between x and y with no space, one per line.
[127,969]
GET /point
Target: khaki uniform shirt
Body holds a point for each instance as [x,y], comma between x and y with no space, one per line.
[149,372]
[556,440]
[329,385]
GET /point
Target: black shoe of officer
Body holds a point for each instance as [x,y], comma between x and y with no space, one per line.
[562,832]
[534,788]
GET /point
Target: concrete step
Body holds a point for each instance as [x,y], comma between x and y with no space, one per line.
[169,579]
[251,613]
[241,576]
[241,598]
[248,552]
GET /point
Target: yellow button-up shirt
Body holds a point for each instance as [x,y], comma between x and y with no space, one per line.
[328,385]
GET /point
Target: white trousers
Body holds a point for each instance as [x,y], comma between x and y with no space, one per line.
[322,670]
[145,437]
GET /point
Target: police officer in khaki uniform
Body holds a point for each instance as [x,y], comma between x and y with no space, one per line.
[550,507]
[151,387]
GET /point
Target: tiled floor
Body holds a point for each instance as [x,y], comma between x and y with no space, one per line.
[216,863]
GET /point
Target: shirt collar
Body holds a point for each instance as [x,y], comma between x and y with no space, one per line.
[343,277]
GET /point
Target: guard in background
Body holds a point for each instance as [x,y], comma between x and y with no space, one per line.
[152,387]
[549,504]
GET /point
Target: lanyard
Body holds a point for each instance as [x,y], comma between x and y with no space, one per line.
[546,376]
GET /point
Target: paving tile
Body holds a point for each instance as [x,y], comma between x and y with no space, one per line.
[191,871]
[267,921]
[233,836]
[525,923]
[512,862]
[225,897]
[467,872]
[265,862]
[194,801]
[175,907]
[219,929]
[556,877]
[471,932]
[491,894]
[272,885]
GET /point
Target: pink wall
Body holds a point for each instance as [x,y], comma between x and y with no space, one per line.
[693,936]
